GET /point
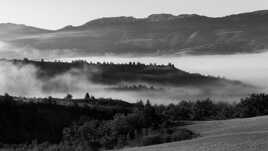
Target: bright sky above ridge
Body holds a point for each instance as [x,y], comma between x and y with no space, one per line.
[54,14]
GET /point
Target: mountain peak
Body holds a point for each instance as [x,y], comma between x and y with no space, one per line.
[12,26]
[113,20]
[255,13]
[130,19]
[161,17]
[187,15]
[261,12]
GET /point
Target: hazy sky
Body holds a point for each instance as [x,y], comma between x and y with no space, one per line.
[53,14]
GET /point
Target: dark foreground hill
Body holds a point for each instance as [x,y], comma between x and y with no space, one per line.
[91,124]
[158,34]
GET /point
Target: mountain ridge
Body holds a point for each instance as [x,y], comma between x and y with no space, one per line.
[157,34]
[162,17]
[170,17]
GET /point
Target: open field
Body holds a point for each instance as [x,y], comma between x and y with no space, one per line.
[231,135]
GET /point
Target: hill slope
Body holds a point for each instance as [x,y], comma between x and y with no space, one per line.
[158,34]
[9,31]
[109,73]
[161,83]
[233,135]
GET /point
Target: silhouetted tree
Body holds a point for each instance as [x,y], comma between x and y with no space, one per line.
[87,96]
[69,97]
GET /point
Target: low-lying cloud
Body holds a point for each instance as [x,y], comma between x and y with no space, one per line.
[10,51]
[248,68]
[22,80]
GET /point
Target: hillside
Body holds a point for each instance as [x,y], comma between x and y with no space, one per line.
[131,81]
[110,73]
[233,135]
[10,31]
[105,124]
[158,34]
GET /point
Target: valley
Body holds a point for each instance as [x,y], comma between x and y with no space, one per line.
[154,82]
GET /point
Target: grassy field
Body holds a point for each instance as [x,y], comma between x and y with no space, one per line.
[231,135]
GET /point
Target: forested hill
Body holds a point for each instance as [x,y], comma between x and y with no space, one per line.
[110,73]
[93,124]
[157,34]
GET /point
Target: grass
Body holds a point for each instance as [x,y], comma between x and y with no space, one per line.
[249,134]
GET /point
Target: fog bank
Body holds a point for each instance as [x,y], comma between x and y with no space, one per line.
[249,68]
[22,80]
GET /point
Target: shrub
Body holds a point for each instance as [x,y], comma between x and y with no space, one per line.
[151,140]
[181,134]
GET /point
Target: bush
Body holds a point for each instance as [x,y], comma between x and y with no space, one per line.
[151,140]
[169,135]
[181,134]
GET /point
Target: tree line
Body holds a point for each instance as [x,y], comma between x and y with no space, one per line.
[110,124]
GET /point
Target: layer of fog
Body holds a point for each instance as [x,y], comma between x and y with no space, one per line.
[22,81]
[248,68]
[10,51]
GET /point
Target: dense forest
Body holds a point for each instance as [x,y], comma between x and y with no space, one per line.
[97,123]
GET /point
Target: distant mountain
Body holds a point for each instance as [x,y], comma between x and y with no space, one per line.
[158,34]
[9,30]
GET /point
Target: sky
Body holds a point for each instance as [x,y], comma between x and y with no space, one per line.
[55,14]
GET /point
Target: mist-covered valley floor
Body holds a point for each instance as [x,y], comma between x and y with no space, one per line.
[250,69]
